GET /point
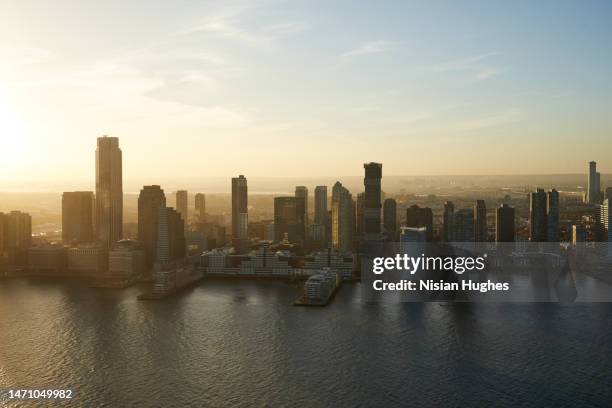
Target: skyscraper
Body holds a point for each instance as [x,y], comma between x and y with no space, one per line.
[302,192]
[417,217]
[289,219]
[373,203]
[461,228]
[552,216]
[593,184]
[19,230]
[320,214]
[78,217]
[240,218]
[170,236]
[150,200]
[538,231]
[504,223]
[109,191]
[182,205]
[480,221]
[17,236]
[342,218]
[360,215]
[449,208]
[390,218]
[200,207]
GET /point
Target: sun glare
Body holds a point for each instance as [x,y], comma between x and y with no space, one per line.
[11,133]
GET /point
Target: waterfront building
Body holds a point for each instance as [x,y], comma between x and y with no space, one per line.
[109,191]
[150,200]
[78,217]
[127,260]
[170,236]
[47,260]
[88,260]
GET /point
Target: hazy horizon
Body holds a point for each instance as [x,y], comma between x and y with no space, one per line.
[281,185]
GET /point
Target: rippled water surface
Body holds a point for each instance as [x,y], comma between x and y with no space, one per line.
[244,344]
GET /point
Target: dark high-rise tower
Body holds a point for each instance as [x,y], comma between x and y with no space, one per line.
[390,218]
[240,220]
[302,192]
[321,219]
[449,209]
[504,224]
[372,201]
[109,191]
[538,231]
[289,219]
[77,217]
[182,205]
[552,216]
[320,213]
[417,217]
[200,206]
[360,216]
[480,221]
[593,184]
[150,200]
[170,235]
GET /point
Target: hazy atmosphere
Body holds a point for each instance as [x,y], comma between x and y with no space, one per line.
[301,89]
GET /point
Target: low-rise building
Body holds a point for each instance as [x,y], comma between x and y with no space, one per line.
[47,260]
[88,260]
[126,260]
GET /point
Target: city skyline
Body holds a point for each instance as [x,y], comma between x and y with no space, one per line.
[434,90]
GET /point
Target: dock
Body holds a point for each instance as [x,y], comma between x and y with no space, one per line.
[304,301]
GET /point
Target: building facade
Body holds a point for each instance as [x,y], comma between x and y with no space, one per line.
[109,191]
[240,219]
[372,201]
[150,200]
[78,217]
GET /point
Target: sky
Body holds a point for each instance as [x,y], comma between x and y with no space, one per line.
[304,88]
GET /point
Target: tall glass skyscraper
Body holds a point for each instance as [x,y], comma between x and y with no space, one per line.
[372,204]
[150,200]
[240,218]
[109,191]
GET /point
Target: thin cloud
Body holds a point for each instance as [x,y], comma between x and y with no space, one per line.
[488,73]
[463,63]
[231,23]
[367,48]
